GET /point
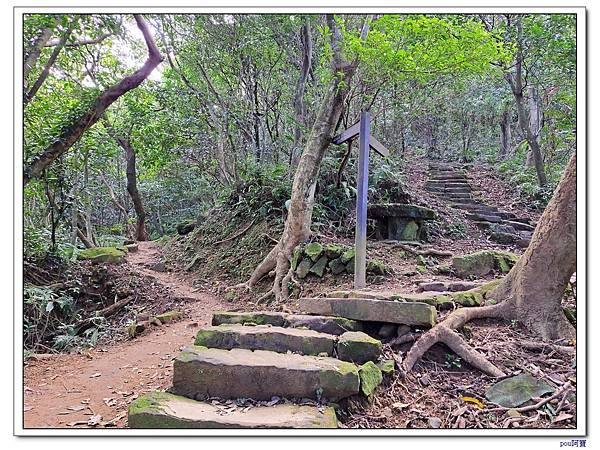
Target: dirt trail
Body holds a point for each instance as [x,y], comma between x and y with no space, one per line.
[61,390]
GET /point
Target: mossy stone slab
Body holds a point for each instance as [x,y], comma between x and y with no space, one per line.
[165,410]
[256,318]
[263,337]
[200,372]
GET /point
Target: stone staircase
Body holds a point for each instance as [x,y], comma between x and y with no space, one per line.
[277,370]
[452,185]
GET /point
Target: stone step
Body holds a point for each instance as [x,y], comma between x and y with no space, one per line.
[419,314]
[165,410]
[507,215]
[265,337]
[200,373]
[520,226]
[472,206]
[459,195]
[458,189]
[449,179]
[322,324]
[478,217]
[454,184]
[434,190]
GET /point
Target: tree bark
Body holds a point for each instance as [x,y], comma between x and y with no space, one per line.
[36,50]
[515,80]
[140,230]
[505,134]
[72,133]
[40,80]
[299,105]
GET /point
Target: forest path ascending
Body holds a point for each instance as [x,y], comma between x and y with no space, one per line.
[70,389]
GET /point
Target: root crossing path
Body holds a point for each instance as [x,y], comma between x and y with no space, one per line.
[68,390]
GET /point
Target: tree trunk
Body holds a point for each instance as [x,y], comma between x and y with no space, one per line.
[36,50]
[299,105]
[73,132]
[515,80]
[38,83]
[532,291]
[297,224]
[505,134]
[140,230]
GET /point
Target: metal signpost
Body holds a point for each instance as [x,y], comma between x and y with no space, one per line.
[366,141]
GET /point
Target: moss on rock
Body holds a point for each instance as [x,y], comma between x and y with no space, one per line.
[376,267]
[387,366]
[358,347]
[348,256]
[483,262]
[313,251]
[169,316]
[111,255]
[370,377]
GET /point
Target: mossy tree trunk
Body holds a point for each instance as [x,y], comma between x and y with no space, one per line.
[532,291]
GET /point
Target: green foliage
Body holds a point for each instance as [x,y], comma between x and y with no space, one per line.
[426,47]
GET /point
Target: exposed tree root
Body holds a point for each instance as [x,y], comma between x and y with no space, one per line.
[424,252]
[444,332]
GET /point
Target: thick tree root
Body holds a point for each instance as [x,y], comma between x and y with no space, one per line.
[444,332]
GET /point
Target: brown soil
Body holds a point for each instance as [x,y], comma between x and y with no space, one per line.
[69,389]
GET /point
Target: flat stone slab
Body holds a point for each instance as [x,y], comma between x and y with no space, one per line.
[264,337]
[365,309]
[322,324]
[200,372]
[165,410]
[484,218]
[400,210]
[257,318]
[520,225]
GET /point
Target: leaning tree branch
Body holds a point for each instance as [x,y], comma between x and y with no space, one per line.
[74,132]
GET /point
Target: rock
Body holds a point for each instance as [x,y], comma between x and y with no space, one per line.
[322,324]
[333,251]
[410,231]
[200,373]
[350,267]
[263,337]
[434,422]
[370,377]
[514,391]
[469,298]
[132,248]
[484,217]
[458,286]
[358,347]
[109,255]
[158,267]
[135,328]
[520,225]
[127,242]
[318,268]
[186,227]
[169,316]
[504,238]
[348,256]
[402,330]
[432,286]
[386,330]
[337,266]
[313,251]
[165,410]
[387,366]
[304,267]
[376,267]
[483,262]
[413,313]
[259,318]
[296,256]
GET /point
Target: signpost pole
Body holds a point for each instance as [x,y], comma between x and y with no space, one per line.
[360,259]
